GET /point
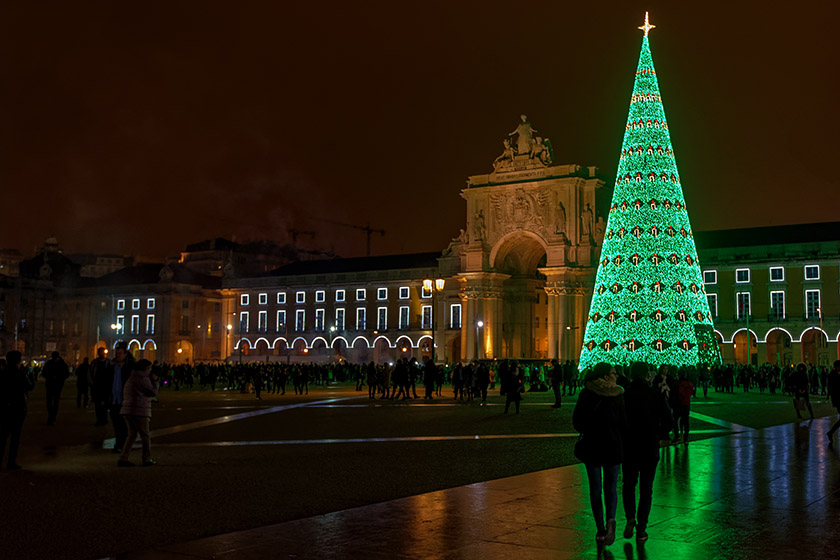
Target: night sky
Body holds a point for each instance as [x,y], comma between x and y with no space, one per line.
[139,127]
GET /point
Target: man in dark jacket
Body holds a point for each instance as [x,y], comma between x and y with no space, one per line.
[15,384]
[55,372]
[648,421]
[833,386]
[118,373]
[556,382]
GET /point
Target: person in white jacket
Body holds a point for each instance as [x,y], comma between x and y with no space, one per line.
[139,390]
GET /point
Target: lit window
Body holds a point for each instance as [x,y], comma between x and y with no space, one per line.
[150,324]
[742,275]
[281,321]
[812,304]
[777,305]
[150,303]
[361,294]
[812,272]
[361,314]
[777,274]
[742,301]
[382,293]
[404,292]
[710,276]
[262,324]
[135,324]
[263,299]
[339,295]
[382,318]
[319,319]
[120,304]
[300,320]
[455,316]
[300,297]
[320,296]
[120,324]
[426,293]
[713,304]
[403,317]
[243,299]
[281,297]
[135,304]
[427,317]
[339,319]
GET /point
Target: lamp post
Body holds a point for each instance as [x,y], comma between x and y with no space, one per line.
[115,327]
[332,334]
[434,286]
[478,325]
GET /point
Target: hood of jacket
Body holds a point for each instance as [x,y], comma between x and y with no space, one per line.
[605,386]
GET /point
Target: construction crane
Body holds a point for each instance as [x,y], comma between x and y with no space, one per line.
[295,232]
[366,228]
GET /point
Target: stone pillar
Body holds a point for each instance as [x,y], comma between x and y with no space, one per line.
[468,329]
[563,322]
[553,322]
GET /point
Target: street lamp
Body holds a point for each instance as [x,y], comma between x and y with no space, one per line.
[478,325]
[434,286]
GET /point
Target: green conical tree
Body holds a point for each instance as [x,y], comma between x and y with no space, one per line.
[649,303]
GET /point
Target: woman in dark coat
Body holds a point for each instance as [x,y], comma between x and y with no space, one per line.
[600,418]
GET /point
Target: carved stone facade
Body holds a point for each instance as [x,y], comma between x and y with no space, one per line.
[526,260]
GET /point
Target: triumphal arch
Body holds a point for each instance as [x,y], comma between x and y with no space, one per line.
[526,260]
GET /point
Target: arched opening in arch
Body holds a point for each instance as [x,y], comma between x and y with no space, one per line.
[814,344]
[745,353]
[779,347]
[184,352]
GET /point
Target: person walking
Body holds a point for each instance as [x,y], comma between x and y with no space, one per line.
[55,372]
[601,420]
[136,409]
[648,421]
[801,394]
[833,388]
[15,384]
[82,383]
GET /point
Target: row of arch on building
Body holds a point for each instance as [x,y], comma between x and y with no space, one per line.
[338,342]
[774,334]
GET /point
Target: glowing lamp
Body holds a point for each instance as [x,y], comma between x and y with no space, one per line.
[439,284]
[427,284]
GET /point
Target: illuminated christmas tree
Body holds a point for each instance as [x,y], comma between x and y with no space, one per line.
[649,303]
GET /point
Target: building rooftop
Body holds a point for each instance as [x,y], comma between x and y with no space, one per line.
[767,235]
[150,273]
[359,264]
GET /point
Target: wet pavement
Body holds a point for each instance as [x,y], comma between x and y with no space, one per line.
[769,493]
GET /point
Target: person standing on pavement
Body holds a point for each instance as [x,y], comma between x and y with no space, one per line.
[648,421]
[136,409]
[100,386]
[15,384]
[801,395]
[55,373]
[685,389]
[600,418]
[429,375]
[833,387]
[82,383]
[556,381]
[118,373]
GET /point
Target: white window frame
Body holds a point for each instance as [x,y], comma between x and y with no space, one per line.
[382,294]
[244,319]
[150,303]
[405,292]
[120,324]
[281,298]
[262,321]
[263,299]
[300,297]
[747,281]
[811,266]
[361,294]
[150,324]
[120,304]
[135,323]
[300,320]
[339,295]
[340,316]
[455,312]
[361,318]
[708,282]
[320,315]
[405,317]
[784,307]
[135,304]
[782,279]
[816,314]
[243,299]
[712,308]
[320,296]
[748,305]
[281,320]
[425,294]
[382,318]
[424,310]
